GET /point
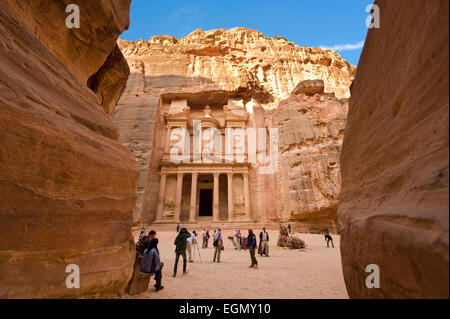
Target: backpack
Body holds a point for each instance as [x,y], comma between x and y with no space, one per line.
[216,241]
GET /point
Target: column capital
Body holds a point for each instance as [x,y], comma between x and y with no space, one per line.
[230,174]
[195,174]
[245,174]
[216,175]
[180,174]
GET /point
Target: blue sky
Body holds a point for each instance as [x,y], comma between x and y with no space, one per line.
[338,24]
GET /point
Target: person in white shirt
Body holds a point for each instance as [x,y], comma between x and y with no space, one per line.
[263,248]
[238,239]
[191,241]
[218,244]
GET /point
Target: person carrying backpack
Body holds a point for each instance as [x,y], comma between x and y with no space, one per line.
[218,245]
[180,249]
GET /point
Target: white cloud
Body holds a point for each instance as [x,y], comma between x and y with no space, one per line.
[344,47]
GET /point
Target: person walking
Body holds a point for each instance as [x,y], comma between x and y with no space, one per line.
[180,249]
[251,244]
[218,245]
[263,248]
[190,242]
[329,239]
[152,263]
[289,228]
[178,228]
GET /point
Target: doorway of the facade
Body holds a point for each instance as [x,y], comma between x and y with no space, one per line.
[206,202]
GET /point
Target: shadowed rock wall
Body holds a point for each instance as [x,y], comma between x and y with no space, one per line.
[394,204]
[67,186]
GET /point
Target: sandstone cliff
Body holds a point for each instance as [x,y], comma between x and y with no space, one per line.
[311,128]
[67,186]
[213,65]
[394,204]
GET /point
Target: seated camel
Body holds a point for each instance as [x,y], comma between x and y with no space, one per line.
[285,240]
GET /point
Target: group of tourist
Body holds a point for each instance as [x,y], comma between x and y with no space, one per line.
[185,241]
[188,241]
[147,247]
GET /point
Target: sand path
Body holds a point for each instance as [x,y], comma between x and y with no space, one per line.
[315,272]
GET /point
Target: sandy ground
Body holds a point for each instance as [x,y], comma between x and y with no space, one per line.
[312,273]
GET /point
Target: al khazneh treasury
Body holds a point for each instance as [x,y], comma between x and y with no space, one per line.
[204,173]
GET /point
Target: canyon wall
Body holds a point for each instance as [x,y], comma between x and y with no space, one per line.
[211,66]
[394,204]
[67,186]
[311,129]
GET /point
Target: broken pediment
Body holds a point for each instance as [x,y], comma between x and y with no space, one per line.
[178,119]
[235,114]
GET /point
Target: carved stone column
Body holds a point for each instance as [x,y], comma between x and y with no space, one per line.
[230,196]
[193,197]
[167,146]
[216,198]
[162,193]
[177,212]
[246,196]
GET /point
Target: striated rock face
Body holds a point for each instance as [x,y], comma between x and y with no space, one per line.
[110,80]
[103,19]
[67,186]
[240,58]
[394,208]
[212,66]
[311,129]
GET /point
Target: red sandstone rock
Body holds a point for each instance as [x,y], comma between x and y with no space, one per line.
[211,66]
[394,209]
[67,186]
[309,87]
[110,81]
[308,182]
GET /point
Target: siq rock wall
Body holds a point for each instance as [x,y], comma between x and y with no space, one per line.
[211,66]
[394,204]
[311,129]
[67,186]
